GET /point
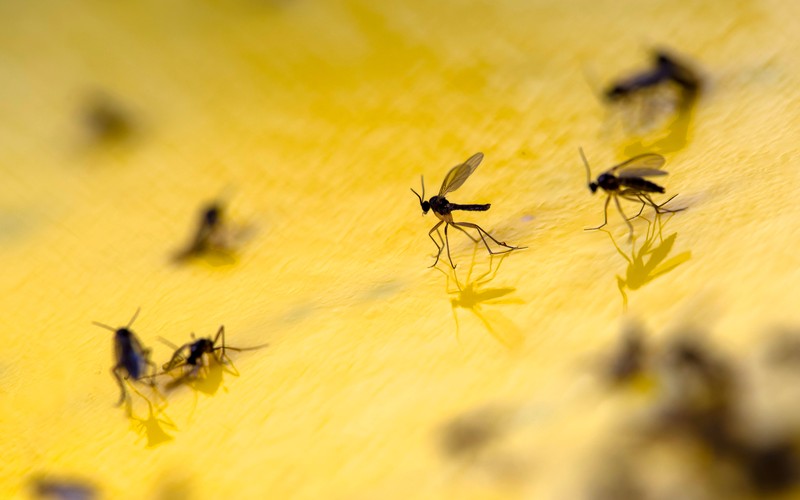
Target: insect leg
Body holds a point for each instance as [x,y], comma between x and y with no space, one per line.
[605,216]
[474,240]
[118,377]
[658,208]
[221,333]
[630,195]
[482,232]
[430,235]
[624,217]
[447,243]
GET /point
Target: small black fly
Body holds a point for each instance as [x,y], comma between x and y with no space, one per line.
[132,359]
[443,209]
[627,181]
[193,353]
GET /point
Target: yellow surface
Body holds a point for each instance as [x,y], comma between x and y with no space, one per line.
[314,119]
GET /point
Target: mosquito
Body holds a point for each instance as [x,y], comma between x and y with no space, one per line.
[131,357]
[192,353]
[443,209]
[627,181]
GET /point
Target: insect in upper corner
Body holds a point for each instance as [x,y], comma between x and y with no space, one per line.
[666,69]
[130,355]
[192,353]
[627,181]
[442,209]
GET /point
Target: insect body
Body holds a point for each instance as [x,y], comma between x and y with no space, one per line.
[627,181]
[443,209]
[209,233]
[192,353]
[132,359]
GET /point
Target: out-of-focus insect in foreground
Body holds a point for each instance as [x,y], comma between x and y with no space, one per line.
[442,209]
[627,181]
[131,358]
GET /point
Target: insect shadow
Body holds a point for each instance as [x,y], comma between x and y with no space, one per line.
[131,358]
[155,427]
[651,259]
[473,295]
[443,210]
[627,181]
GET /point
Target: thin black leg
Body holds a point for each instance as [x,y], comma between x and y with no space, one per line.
[605,216]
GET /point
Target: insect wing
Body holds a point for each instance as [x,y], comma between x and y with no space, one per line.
[459,174]
[646,165]
[178,359]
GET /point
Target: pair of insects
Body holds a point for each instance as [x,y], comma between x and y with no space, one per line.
[626,181]
[132,359]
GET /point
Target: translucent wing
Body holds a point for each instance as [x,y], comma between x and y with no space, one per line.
[646,165]
[178,359]
[459,174]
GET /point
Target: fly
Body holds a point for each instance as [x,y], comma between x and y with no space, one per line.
[443,209]
[208,235]
[666,68]
[131,357]
[627,181]
[192,353]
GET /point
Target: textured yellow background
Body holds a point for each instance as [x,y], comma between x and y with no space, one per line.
[314,119]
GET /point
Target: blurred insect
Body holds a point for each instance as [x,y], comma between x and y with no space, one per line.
[106,121]
[208,235]
[443,209]
[131,357]
[192,353]
[627,181]
[62,488]
[666,68]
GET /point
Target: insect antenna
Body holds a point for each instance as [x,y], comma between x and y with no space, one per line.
[422,197]
[101,325]
[422,203]
[586,164]
[135,315]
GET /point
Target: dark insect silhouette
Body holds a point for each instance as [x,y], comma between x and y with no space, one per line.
[666,68]
[132,359]
[627,181]
[192,353]
[209,234]
[443,209]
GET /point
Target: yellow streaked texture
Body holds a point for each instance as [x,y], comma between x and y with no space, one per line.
[314,119]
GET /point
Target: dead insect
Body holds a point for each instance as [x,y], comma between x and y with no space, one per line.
[131,357]
[209,235]
[192,353]
[627,181]
[666,68]
[443,209]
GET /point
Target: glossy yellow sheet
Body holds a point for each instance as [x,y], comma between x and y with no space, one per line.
[312,120]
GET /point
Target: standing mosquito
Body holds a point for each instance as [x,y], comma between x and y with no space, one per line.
[192,353]
[443,209]
[627,181]
[131,357]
